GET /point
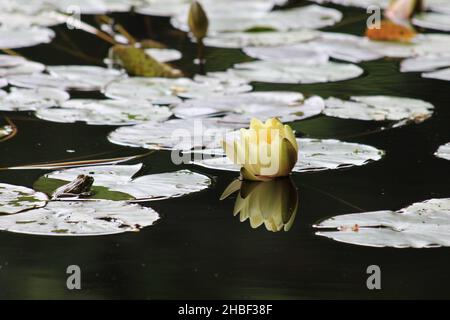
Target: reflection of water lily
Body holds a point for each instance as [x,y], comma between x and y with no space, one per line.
[265,151]
[272,203]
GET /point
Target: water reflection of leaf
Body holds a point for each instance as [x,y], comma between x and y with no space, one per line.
[272,203]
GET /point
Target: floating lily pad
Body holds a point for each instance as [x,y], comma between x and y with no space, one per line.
[287,72]
[421,225]
[287,106]
[83,78]
[164,55]
[116,182]
[425,63]
[233,18]
[303,53]
[431,20]
[443,74]
[257,39]
[313,155]
[177,134]
[94,7]
[14,199]
[105,112]
[443,151]
[32,99]
[167,91]
[422,44]
[379,108]
[23,20]
[11,65]
[81,218]
[26,37]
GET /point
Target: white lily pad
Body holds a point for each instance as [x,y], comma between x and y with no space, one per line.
[287,106]
[14,199]
[287,72]
[17,19]
[32,99]
[443,152]
[177,134]
[357,3]
[116,182]
[105,112]
[303,53]
[258,39]
[24,37]
[10,65]
[93,6]
[432,20]
[240,18]
[378,108]
[443,74]
[164,55]
[425,63]
[168,91]
[83,78]
[421,225]
[81,218]
[422,44]
[313,155]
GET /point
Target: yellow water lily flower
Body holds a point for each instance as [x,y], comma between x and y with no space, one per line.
[272,203]
[265,151]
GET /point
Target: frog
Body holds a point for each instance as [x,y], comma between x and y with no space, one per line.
[80,187]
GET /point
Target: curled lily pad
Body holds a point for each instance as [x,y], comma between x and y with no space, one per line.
[164,55]
[81,218]
[116,182]
[443,74]
[24,37]
[168,91]
[32,99]
[431,20]
[443,151]
[313,155]
[288,72]
[286,106]
[379,108]
[425,63]
[261,38]
[14,199]
[105,112]
[177,134]
[421,225]
[138,63]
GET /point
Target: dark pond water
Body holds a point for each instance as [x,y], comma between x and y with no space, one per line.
[199,249]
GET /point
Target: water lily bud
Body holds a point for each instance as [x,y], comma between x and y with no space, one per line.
[401,10]
[265,151]
[272,203]
[197,21]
